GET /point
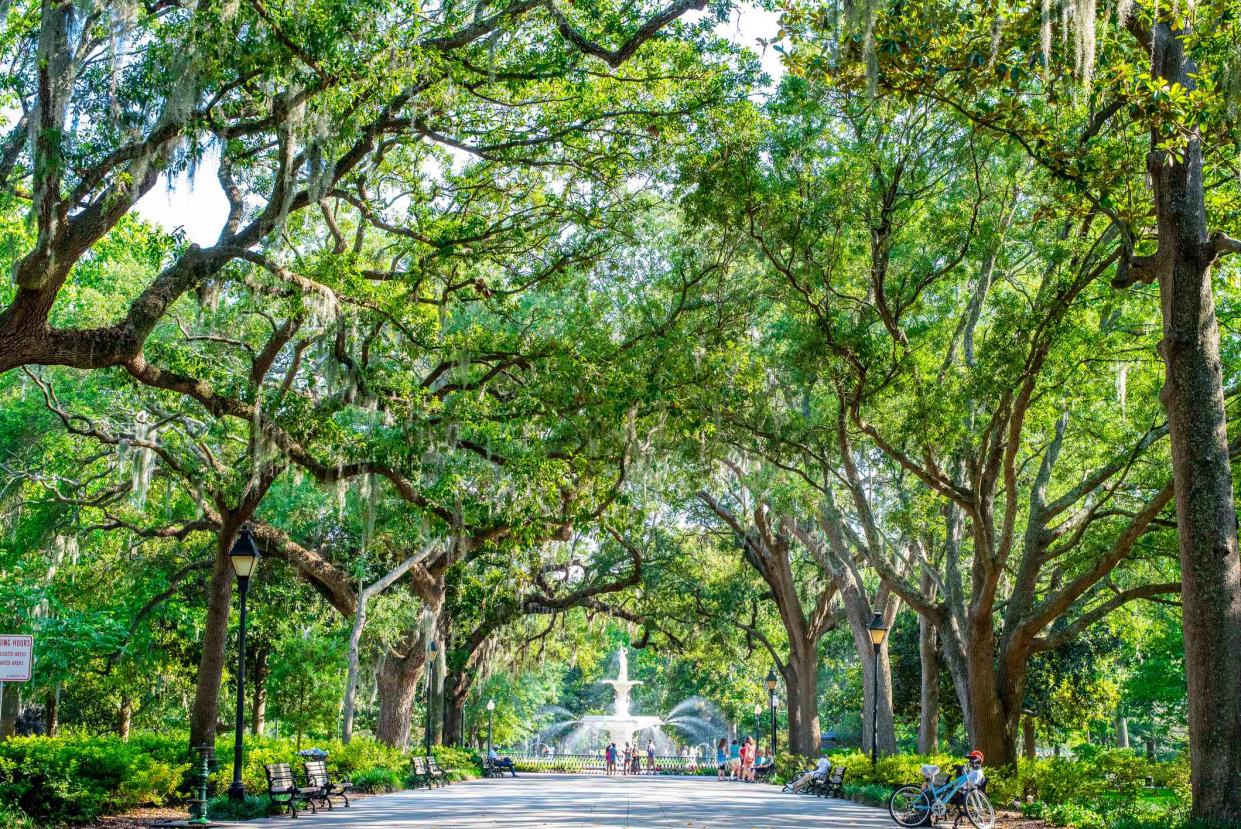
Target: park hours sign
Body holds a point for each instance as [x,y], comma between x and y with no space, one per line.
[16,656]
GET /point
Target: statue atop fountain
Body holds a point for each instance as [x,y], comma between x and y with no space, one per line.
[622,685]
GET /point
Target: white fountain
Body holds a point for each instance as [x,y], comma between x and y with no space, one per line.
[693,718]
[621,726]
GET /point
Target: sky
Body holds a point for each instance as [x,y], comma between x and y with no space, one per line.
[199,208]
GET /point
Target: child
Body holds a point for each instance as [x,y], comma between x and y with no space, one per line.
[721,758]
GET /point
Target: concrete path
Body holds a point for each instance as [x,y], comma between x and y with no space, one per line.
[547,801]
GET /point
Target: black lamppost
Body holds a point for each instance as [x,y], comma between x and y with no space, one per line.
[877,634]
[432,647]
[244,557]
[491,707]
[772,681]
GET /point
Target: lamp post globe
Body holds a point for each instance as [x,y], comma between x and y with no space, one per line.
[244,558]
[878,633]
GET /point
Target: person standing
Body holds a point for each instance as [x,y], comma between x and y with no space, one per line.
[734,760]
[721,758]
[626,758]
[650,756]
[747,760]
[609,759]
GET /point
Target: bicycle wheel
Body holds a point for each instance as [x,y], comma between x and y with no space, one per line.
[978,809]
[909,806]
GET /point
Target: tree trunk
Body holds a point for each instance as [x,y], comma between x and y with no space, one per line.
[457,687]
[928,721]
[206,711]
[887,729]
[51,715]
[1205,516]
[1027,737]
[397,682]
[258,714]
[125,718]
[8,709]
[1122,732]
[436,700]
[351,682]
[801,682]
[994,731]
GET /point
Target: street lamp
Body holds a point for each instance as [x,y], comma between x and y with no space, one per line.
[878,632]
[244,557]
[491,707]
[772,681]
[758,721]
[432,647]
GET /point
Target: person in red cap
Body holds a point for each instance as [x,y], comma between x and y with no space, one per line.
[974,772]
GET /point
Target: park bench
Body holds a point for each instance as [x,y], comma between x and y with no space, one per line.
[284,791]
[318,778]
[764,772]
[830,785]
[492,769]
[421,774]
[437,773]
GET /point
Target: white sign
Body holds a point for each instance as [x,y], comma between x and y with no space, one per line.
[16,656]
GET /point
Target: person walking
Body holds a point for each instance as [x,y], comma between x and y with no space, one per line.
[721,758]
[734,760]
[650,756]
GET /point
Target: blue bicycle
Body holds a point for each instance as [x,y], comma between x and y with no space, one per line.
[927,804]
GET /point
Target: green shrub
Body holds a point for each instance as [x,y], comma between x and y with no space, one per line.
[870,794]
[378,781]
[76,779]
[344,761]
[253,806]
[790,767]
[458,763]
[1075,817]
[13,818]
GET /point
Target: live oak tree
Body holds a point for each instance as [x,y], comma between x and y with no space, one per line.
[938,356]
[1134,113]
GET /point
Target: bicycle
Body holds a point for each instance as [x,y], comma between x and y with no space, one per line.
[927,804]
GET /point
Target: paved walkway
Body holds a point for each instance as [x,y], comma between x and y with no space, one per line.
[547,801]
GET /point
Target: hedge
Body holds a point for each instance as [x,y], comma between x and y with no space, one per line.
[77,778]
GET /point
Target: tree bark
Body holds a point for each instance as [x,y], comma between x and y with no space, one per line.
[437,695]
[1193,394]
[802,689]
[124,718]
[8,709]
[397,682]
[928,721]
[455,689]
[887,731]
[51,714]
[1027,737]
[355,634]
[258,713]
[1122,731]
[206,710]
